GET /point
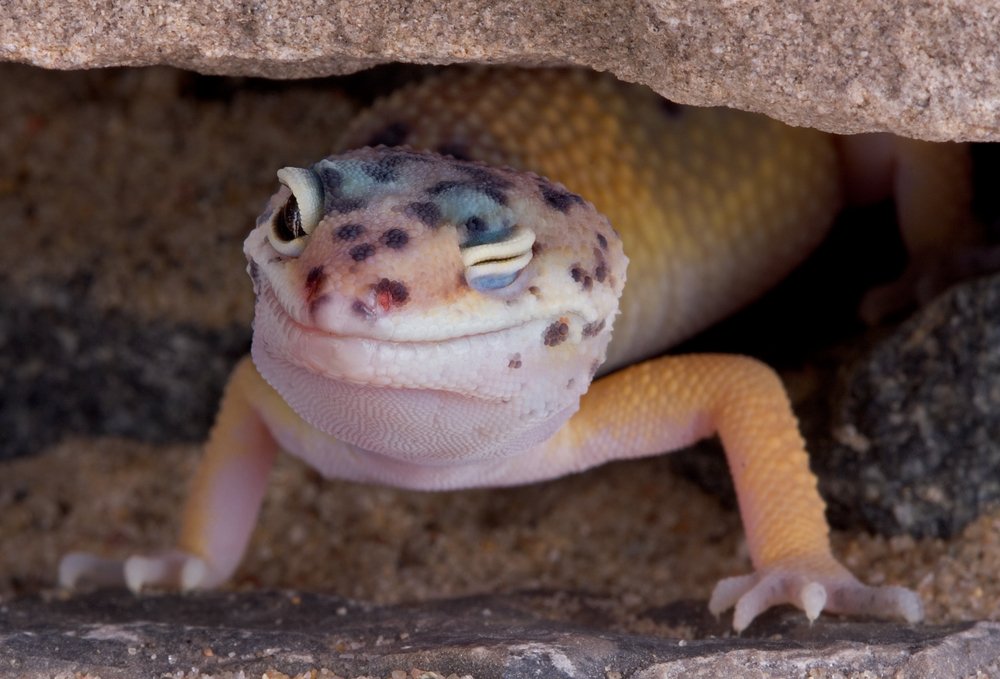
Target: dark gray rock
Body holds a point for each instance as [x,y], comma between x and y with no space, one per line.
[70,368]
[916,421]
[114,634]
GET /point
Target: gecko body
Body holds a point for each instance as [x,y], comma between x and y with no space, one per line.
[433,316]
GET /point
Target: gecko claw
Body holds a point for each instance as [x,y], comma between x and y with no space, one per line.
[836,591]
[812,598]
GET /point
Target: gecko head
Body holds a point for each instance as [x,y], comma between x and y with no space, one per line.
[388,270]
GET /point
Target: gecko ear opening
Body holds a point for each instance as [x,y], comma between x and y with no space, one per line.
[298,217]
[492,266]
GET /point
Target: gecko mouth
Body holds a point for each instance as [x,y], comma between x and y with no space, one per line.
[436,363]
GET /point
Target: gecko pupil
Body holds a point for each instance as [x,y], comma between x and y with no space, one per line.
[288,225]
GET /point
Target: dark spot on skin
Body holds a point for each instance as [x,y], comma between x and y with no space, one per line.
[390,293]
[350,231]
[593,329]
[476,225]
[254,270]
[456,150]
[556,333]
[491,191]
[331,178]
[340,205]
[314,281]
[393,134]
[515,362]
[400,156]
[601,270]
[360,253]
[558,199]
[428,213]
[536,247]
[384,171]
[333,201]
[535,292]
[581,277]
[441,187]
[484,177]
[572,381]
[670,108]
[314,284]
[602,241]
[394,239]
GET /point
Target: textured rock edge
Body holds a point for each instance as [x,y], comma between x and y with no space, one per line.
[112,634]
[922,69]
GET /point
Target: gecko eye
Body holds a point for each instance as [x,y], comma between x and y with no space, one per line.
[296,219]
[492,266]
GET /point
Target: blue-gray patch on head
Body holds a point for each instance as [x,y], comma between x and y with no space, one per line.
[479,218]
[350,183]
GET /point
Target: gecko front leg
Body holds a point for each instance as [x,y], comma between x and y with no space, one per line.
[671,402]
[222,506]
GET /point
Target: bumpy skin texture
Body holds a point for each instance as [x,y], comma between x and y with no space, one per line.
[430,322]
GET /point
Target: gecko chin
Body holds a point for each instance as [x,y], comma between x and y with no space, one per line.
[496,393]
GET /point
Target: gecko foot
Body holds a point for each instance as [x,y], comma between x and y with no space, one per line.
[836,592]
[173,569]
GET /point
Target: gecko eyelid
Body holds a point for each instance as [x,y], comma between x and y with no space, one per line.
[296,219]
[492,266]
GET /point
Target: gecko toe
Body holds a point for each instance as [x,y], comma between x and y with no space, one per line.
[728,591]
[880,602]
[80,567]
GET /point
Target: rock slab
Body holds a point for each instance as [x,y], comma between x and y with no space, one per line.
[113,634]
[927,69]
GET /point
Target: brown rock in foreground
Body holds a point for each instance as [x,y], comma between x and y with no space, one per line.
[923,69]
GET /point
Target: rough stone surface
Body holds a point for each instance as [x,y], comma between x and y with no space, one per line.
[70,368]
[925,69]
[113,634]
[916,437]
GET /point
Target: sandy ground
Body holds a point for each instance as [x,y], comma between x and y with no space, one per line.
[631,530]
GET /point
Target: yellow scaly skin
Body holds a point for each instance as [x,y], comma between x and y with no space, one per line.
[713,207]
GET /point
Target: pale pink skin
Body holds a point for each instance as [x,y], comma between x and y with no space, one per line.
[421,391]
